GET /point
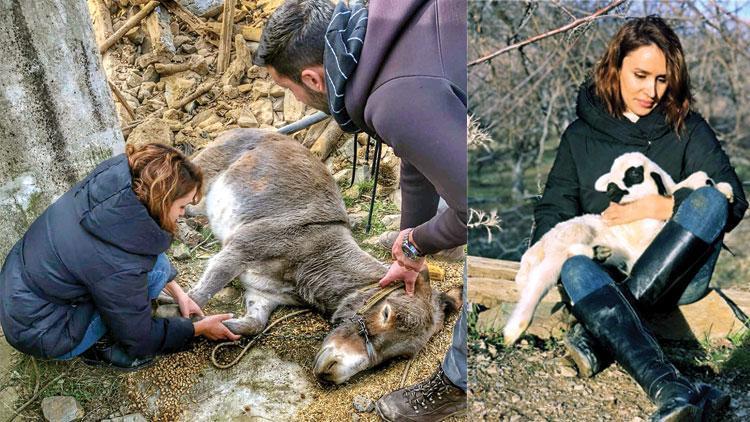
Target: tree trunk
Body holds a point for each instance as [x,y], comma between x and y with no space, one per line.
[57,118]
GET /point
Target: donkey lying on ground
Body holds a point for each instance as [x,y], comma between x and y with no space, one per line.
[285,232]
[631,177]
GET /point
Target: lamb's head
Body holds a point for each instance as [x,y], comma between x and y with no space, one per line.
[397,325]
[633,176]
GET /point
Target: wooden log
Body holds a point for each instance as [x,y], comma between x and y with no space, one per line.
[225,40]
[127,26]
[102,24]
[122,101]
[236,70]
[328,140]
[490,283]
[101,19]
[160,33]
[202,89]
[172,68]
[492,268]
[249,33]
[195,23]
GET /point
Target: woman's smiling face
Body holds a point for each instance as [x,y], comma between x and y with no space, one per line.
[643,79]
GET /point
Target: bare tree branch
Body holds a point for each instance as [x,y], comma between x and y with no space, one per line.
[568,27]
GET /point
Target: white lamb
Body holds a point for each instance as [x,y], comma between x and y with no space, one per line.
[632,176]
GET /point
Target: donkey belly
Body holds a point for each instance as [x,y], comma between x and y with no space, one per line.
[221,209]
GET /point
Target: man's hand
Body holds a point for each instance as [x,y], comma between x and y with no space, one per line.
[398,254]
[397,272]
[652,206]
[211,327]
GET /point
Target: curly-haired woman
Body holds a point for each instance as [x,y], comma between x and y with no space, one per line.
[639,101]
[92,262]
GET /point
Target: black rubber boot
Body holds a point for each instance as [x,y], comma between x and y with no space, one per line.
[662,271]
[588,355]
[610,318]
[104,353]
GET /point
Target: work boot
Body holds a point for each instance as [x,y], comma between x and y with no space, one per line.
[588,355]
[104,353]
[610,318]
[433,399]
[660,275]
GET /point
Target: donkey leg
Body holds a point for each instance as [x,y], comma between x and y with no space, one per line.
[258,308]
[246,245]
[262,295]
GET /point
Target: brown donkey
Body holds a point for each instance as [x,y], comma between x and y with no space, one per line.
[285,233]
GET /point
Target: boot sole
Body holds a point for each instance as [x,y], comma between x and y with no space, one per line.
[688,413]
[584,369]
[714,402]
[102,364]
[458,414]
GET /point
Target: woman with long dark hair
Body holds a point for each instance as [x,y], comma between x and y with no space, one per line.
[92,262]
[639,101]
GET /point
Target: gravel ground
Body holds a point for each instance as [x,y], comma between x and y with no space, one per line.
[535,381]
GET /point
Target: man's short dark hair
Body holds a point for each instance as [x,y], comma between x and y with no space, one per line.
[294,37]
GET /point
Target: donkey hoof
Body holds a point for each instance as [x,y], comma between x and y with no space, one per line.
[243,326]
[602,253]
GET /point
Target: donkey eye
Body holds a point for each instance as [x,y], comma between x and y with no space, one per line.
[386,313]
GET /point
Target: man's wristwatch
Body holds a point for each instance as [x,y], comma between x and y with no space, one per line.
[409,249]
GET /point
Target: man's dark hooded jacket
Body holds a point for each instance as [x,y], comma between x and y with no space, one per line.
[90,250]
[591,143]
[409,89]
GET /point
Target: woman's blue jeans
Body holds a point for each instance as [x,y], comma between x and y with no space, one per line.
[703,213]
[158,277]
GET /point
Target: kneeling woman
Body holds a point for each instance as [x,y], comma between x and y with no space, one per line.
[640,101]
[92,262]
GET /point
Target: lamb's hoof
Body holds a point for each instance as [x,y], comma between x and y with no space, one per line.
[512,332]
[726,189]
[243,326]
[602,253]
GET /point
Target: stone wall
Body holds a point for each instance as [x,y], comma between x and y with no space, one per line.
[57,117]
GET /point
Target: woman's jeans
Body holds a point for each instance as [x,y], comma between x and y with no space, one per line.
[703,213]
[158,277]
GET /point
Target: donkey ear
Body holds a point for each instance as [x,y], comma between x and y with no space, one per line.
[451,300]
[659,183]
[422,285]
[602,182]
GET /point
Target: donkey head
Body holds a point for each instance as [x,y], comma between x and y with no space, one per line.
[634,176]
[397,325]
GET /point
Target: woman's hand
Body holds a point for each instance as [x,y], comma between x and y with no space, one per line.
[212,328]
[188,307]
[651,206]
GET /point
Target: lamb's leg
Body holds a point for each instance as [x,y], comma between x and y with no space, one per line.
[262,295]
[541,279]
[249,243]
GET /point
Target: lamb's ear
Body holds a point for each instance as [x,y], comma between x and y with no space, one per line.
[659,183]
[602,182]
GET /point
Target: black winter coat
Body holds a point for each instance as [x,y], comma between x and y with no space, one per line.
[90,250]
[592,142]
